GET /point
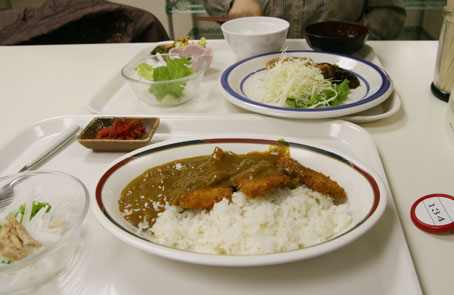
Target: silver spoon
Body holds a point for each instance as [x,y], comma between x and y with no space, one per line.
[56,144]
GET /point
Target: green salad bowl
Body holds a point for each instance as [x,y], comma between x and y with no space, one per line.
[165,80]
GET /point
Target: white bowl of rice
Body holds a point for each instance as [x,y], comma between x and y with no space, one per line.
[40,228]
[282,226]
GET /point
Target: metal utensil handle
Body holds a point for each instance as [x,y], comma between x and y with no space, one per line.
[53,146]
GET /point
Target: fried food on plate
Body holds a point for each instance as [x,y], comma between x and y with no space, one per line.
[200,182]
[204,198]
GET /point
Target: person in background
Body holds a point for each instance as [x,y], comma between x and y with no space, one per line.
[385,18]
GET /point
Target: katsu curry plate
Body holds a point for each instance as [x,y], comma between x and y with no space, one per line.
[305,84]
[238,200]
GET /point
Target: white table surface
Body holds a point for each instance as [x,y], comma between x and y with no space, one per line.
[39,82]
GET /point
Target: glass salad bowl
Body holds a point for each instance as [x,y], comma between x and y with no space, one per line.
[51,207]
[166,79]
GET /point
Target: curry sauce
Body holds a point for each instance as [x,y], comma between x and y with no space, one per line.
[201,181]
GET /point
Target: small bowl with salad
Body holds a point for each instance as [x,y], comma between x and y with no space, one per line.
[166,80]
[40,225]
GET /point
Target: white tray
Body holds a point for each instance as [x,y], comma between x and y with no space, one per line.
[117,97]
[377,263]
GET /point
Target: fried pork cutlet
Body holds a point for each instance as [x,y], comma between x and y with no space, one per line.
[201,181]
[204,198]
[322,184]
[337,74]
[313,179]
[272,63]
[292,173]
[254,188]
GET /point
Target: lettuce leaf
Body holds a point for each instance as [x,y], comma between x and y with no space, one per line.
[342,90]
[145,71]
[175,69]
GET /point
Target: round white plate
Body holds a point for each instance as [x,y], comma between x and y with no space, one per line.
[365,190]
[239,85]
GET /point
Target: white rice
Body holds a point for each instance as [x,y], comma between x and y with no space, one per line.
[281,221]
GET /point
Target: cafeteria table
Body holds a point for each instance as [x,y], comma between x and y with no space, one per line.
[41,82]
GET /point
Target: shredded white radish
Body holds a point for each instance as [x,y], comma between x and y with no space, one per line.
[293,78]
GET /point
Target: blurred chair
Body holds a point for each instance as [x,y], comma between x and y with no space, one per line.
[77,22]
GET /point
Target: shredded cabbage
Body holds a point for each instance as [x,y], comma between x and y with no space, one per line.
[296,82]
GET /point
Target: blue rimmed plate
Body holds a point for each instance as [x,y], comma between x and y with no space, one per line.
[239,84]
[365,190]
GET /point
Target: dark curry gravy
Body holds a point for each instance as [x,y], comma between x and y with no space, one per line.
[146,196]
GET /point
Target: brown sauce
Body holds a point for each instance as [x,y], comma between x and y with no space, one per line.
[146,195]
[202,181]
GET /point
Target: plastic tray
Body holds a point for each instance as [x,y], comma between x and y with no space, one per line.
[377,263]
[116,96]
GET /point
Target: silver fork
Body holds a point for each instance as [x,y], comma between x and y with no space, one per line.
[7,189]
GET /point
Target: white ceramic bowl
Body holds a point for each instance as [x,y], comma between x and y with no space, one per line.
[170,92]
[365,190]
[69,199]
[250,36]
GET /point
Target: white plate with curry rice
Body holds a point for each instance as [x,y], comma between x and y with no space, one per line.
[305,84]
[238,200]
